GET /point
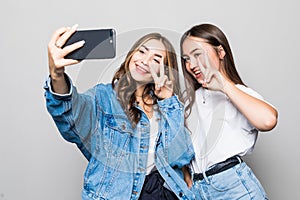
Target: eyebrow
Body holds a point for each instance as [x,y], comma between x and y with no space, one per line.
[195,50]
[158,55]
[192,51]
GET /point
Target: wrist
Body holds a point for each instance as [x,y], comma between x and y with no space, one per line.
[227,87]
[166,96]
[57,76]
[57,73]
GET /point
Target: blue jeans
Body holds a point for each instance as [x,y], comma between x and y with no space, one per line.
[238,182]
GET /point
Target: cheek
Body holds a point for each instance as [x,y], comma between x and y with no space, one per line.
[131,65]
[202,60]
[214,59]
[215,64]
[135,56]
[188,67]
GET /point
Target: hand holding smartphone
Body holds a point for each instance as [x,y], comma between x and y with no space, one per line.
[99,44]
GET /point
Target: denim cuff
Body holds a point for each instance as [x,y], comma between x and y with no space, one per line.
[170,103]
[48,86]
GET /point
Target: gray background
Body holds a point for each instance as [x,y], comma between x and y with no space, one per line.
[36,163]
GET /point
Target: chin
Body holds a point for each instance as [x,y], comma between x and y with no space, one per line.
[141,80]
[198,80]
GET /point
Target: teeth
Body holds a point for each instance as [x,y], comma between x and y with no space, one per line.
[197,72]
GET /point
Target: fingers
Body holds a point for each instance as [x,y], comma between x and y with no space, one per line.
[162,68]
[162,78]
[209,76]
[165,82]
[164,89]
[202,69]
[206,70]
[56,54]
[68,49]
[56,36]
[65,36]
[163,86]
[169,85]
[206,60]
[161,82]
[153,74]
[161,72]
[67,62]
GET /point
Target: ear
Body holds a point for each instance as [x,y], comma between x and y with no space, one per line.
[221,52]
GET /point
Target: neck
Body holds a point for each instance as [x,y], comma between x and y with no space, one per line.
[139,91]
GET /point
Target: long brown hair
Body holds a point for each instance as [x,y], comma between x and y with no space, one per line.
[125,86]
[215,37]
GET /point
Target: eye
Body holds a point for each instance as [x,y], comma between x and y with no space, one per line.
[156,60]
[186,59]
[196,55]
[142,50]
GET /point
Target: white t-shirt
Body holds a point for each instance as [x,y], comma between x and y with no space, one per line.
[219,130]
[152,139]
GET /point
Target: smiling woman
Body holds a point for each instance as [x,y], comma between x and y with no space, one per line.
[149,55]
[125,128]
[136,75]
[222,100]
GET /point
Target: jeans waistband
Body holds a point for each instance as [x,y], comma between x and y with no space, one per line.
[219,167]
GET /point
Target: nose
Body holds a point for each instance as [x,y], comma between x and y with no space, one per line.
[193,63]
[146,60]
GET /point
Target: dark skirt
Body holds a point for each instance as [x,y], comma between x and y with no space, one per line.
[153,188]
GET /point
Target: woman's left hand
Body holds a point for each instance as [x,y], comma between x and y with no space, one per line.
[213,78]
[163,86]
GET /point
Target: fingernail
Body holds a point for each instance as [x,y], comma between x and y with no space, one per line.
[75,26]
[82,42]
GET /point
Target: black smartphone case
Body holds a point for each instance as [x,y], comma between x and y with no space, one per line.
[99,44]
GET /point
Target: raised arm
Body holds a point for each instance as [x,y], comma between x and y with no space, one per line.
[260,114]
[56,59]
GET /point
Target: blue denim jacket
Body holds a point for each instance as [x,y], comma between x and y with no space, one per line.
[117,153]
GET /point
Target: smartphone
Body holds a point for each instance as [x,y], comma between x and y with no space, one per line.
[99,44]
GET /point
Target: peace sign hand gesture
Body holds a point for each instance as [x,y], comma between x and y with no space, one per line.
[163,86]
[213,78]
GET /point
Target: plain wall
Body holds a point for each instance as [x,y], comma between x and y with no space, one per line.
[36,163]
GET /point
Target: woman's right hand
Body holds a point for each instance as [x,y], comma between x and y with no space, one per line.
[214,79]
[56,55]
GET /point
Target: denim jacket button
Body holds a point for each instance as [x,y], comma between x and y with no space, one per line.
[180,194]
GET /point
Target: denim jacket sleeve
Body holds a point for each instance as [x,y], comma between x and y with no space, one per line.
[180,150]
[174,147]
[74,115]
